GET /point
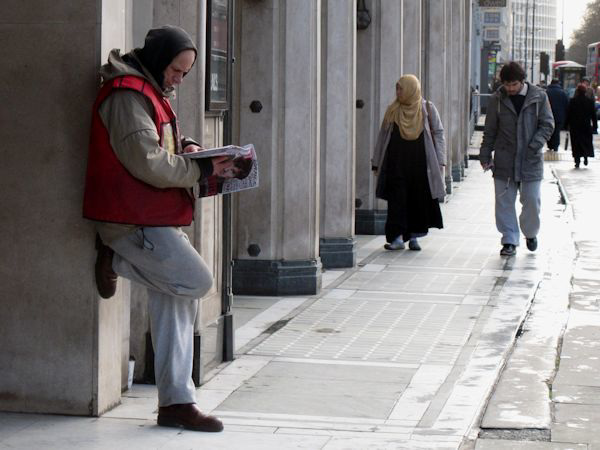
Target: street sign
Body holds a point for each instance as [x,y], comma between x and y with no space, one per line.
[492,3]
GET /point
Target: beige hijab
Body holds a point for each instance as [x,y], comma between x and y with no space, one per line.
[407,111]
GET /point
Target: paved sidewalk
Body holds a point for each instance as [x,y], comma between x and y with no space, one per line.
[400,352]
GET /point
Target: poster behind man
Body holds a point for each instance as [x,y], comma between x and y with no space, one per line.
[245,164]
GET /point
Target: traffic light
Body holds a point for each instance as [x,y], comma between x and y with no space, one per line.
[544,63]
[559,51]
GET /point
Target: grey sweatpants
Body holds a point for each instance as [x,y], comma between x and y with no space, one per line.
[163,260]
[506,214]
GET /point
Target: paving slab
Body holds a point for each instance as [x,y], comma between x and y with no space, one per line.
[580,357]
[574,394]
[499,444]
[325,390]
[576,423]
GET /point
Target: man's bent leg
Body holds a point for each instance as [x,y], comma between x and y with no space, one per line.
[506,214]
[163,260]
[531,202]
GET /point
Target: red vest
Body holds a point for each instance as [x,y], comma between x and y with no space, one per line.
[112,194]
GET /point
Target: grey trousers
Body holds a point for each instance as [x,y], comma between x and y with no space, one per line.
[506,214]
[163,260]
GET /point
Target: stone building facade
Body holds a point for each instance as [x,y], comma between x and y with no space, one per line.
[305,81]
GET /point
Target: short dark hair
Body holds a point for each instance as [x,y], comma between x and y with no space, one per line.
[512,71]
[581,89]
[554,81]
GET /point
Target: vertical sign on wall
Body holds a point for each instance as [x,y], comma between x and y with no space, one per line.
[217,55]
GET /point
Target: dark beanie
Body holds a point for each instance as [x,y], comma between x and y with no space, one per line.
[161,46]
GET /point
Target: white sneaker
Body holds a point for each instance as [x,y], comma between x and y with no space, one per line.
[396,244]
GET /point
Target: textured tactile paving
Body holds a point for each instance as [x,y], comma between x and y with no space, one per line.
[378,331]
[403,281]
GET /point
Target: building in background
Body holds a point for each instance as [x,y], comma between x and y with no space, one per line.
[533,20]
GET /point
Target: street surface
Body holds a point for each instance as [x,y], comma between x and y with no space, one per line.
[451,347]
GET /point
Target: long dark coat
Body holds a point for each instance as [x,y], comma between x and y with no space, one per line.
[559,101]
[581,122]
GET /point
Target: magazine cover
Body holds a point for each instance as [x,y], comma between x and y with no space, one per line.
[244,159]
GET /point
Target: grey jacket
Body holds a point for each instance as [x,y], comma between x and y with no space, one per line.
[517,141]
[436,155]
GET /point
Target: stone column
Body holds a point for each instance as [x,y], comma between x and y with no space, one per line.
[338,96]
[411,37]
[277,224]
[467,78]
[379,65]
[61,343]
[454,63]
[435,73]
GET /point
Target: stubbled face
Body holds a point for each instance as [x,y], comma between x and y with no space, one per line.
[180,65]
[513,87]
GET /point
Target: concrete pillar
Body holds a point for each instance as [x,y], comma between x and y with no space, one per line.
[467,78]
[436,73]
[61,343]
[277,224]
[338,97]
[379,66]
[455,71]
[411,37]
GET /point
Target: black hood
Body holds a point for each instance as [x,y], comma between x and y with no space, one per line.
[161,46]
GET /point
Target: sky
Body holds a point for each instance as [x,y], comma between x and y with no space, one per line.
[574,11]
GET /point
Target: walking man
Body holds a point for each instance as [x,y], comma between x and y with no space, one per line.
[518,123]
[559,101]
[138,193]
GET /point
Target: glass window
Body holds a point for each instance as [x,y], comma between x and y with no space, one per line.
[491,17]
[217,50]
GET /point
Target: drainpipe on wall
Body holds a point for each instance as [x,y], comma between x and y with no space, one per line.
[226,288]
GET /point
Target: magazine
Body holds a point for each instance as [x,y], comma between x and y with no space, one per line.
[244,159]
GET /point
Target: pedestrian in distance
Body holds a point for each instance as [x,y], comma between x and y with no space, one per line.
[409,159]
[582,123]
[138,194]
[518,123]
[559,101]
[589,90]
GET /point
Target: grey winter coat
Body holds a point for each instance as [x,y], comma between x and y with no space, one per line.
[517,141]
[436,155]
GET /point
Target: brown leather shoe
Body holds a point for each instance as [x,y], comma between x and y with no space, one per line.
[188,416]
[106,278]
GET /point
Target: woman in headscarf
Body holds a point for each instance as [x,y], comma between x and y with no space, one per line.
[582,123]
[409,159]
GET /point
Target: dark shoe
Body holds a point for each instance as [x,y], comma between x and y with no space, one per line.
[106,278]
[414,245]
[585,161]
[508,250]
[188,416]
[577,165]
[531,244]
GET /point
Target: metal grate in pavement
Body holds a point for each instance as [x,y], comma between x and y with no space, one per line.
[377,331]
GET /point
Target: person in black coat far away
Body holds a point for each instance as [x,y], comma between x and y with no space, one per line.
[582,123]
[559,101]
